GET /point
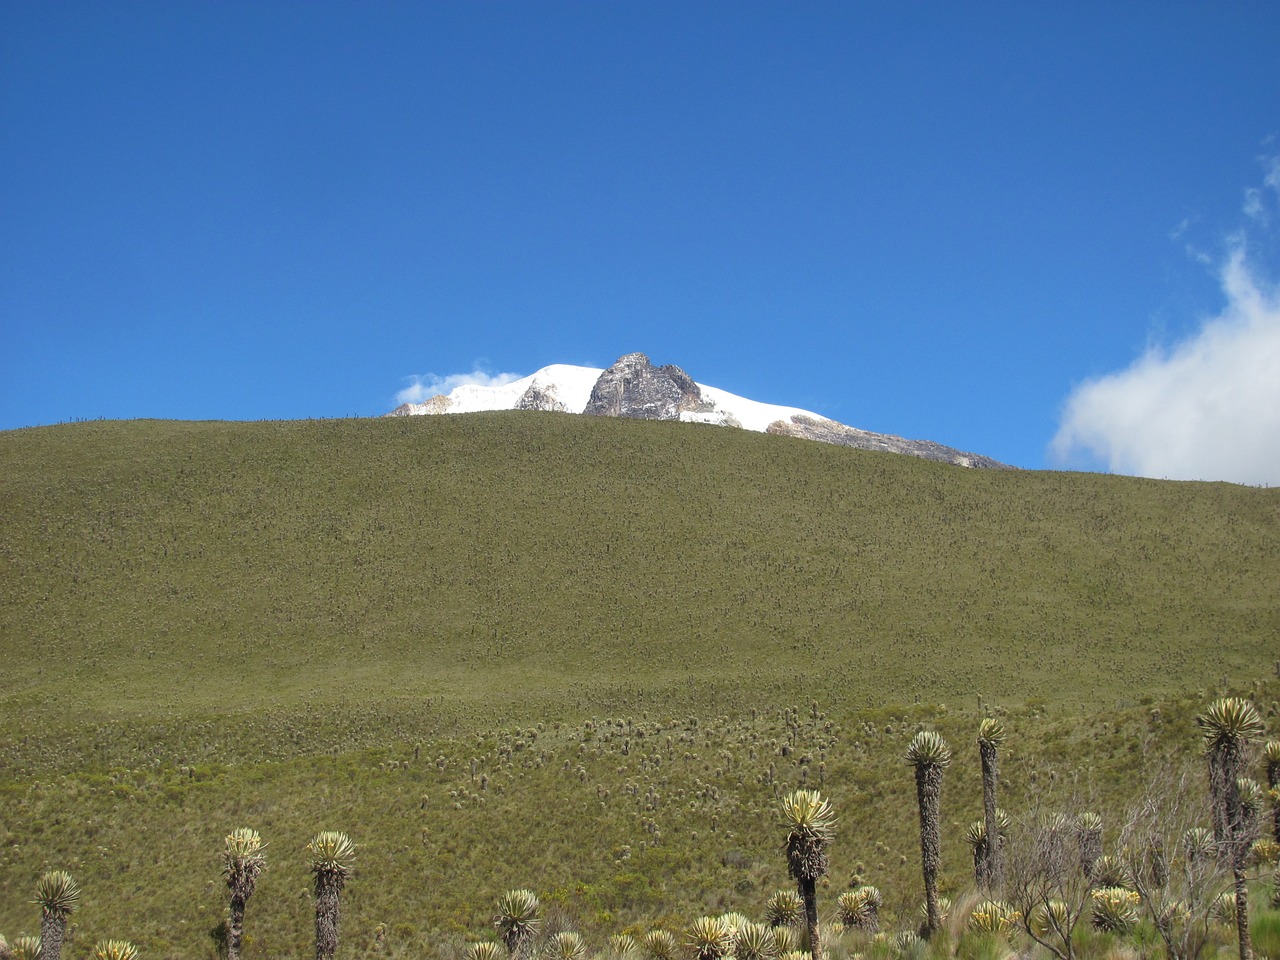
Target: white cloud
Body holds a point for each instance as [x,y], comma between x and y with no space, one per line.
[1272,178]
[1208,408]
[1255,207]
[1256,201]
[424,386]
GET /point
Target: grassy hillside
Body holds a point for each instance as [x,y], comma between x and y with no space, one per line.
[523,649]
[621,824]
[423,572]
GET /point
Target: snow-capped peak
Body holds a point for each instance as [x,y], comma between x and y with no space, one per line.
[566,387]
[634,387]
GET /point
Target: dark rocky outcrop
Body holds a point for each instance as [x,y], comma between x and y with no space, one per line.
[634,387]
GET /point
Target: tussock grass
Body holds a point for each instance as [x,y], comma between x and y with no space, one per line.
[580,655]
[620,824]
[1264,928]
[324,584]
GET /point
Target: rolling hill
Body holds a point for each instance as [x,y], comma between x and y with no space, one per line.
[494,643]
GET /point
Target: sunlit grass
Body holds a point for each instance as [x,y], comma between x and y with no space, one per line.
[619,823]
[284,586]
[1264,928]
[585,656]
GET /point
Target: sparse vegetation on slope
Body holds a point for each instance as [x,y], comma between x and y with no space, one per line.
[621,824]
[285,586]
[586,656]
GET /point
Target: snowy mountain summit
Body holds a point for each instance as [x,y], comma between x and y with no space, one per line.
[634,387]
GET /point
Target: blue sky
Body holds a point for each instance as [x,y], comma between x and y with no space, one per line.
[1045,232]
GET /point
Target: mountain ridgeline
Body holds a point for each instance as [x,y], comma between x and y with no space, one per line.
[634,388]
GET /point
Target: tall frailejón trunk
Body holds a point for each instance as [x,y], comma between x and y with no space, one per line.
[928,794]
[328,891]
[930,755]
[809,894]
[994,854]
[243,860]
[53,930]
[58,895]
[1089,841]
[235,927]
[1244,808]
[1229,760]
[976,837]
[1272,754]
[1228,725]
[811,826]
[1219,776]
[332,857]
[1242,911]
[991,735]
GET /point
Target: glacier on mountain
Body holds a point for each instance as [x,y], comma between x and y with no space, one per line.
[634,387]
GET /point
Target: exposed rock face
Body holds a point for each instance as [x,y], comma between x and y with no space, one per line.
[541,397]
[634,387]
[830,431]
[437,404]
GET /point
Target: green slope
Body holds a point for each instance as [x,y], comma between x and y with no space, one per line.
[580,654]
[469,569]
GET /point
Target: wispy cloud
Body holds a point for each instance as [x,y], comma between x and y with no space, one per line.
[1207,407]
[1257,205]
[1272,179]
[424,386]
